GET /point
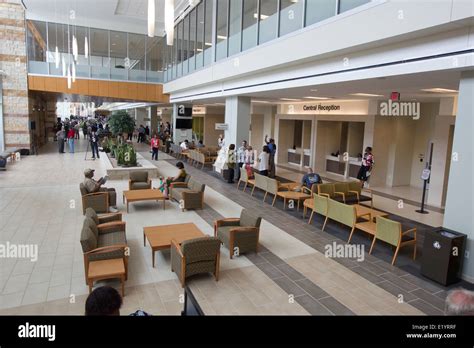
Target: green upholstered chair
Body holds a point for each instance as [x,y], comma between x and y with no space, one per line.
[355,187]
[99,201]
[342,189]
[390,232]
[327,190]
[260,183]
[239,235]
[318,204]
[195,256]
[342,213]
[103,242]
[273,186]
[139,181]
[245,178]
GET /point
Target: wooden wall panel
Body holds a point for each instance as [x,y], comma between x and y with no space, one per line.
[131,91]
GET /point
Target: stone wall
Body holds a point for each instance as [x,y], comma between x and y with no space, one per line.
[13,62]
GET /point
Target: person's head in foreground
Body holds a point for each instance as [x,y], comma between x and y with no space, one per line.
[103,301]
[309,170]
[460,302]
[180,165]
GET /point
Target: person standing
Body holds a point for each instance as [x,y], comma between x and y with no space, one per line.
[147,132]
[84,129]
[71,134]
[94,139]
[272,148]
[155,145]
[249,161]
[61,136]
[366,168]
[231,163]
[263,161]
[241,157]
[220,141]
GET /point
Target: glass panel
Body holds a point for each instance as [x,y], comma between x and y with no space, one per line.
[192,40]
[291,16]
[136,57]
[185,44]
[318,10]
[99,51]
[268,20]
[346,5]
[36,41]
[180,48]
[82,64]
[200,36]
[57,35]
[175,52]
[208,33]
[155,63]
[221,37]
[249,33]
[235,26]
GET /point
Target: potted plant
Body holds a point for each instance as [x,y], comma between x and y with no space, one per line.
[121,123]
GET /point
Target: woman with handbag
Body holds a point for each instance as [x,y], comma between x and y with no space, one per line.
[366,168]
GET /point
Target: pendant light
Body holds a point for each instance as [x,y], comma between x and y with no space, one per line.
[64,68]
[151,18]
[86,48]
[169,21]
[75,48]
[69,77]
[73,72]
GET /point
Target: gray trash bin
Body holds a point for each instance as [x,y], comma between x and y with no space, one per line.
[443,255]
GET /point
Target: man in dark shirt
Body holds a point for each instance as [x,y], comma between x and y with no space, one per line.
[311,178]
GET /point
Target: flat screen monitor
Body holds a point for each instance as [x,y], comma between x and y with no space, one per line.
[184,123]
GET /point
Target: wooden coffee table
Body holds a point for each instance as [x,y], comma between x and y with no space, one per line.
[292,195]
[106,269]
[159,237]
[143,195]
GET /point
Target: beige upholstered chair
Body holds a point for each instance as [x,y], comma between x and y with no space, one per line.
[195,256]
[139,181]
[239,235]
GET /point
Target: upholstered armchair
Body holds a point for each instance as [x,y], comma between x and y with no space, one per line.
[103,242]
[239,235]
[190,194]
[391,232]
[103,218]
[98,201]
[139,181]
[195,256]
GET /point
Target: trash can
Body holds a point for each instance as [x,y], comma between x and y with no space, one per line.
[443,255]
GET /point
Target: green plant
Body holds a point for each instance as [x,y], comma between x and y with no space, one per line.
[126,155]
[121,122]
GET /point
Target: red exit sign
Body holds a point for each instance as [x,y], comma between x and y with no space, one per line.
[395,96]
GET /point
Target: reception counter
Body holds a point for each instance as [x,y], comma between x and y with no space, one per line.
[337,165]
[301,157]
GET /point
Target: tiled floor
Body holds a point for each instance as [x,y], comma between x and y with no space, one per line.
[40,204]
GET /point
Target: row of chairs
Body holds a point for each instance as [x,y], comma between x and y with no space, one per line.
[199,158]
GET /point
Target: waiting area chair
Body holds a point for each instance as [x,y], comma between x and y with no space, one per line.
[98,201]
[244,177]
[195,256]
[190,194]
[390,232]
[239,235]
[139,181]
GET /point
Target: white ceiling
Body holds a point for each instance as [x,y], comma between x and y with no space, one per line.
[120,15]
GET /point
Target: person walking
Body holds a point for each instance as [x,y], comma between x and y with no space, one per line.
[71,134]
[241,157]
[272,148]
[61,136]
[231,163]
[366,167]
[263,161]
[155,145]
[94,139]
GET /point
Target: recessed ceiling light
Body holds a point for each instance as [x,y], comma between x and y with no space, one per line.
[317,98]
[260,101]
[289,99]
[440,90]
[366,95]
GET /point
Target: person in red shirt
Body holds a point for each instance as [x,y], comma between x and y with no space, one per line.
[155,144]
[70,139]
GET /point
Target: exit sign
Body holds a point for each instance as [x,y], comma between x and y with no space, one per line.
[395,96]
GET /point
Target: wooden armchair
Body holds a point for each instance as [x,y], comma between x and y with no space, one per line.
[239,235]
[195,256]
[98,201]
[390,232]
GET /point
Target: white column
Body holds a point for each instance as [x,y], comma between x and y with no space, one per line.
[237,117]
[459,202]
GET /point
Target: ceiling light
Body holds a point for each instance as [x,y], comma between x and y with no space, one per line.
[69,78]
[289,99]
[366,95]
[169,21]
[221,37]
[86,48]
[317,98]
[260,101]
[262,16]
[199,49]
[75,49]
[439,90]
[151,18]
[207,44]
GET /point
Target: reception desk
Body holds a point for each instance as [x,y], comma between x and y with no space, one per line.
[337,165]
[301,157]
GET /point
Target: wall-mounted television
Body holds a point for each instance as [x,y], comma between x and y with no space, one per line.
[184,123]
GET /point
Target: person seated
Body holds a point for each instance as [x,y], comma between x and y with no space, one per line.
[460,302]
[200,145]
[93,186]
[311,178]
[181,177]
[185,145]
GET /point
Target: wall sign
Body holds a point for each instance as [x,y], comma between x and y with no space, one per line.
[222,126]
[327,108]
[199,110]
